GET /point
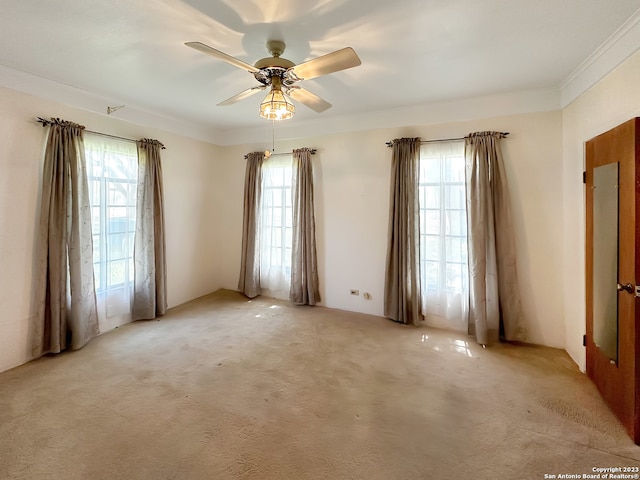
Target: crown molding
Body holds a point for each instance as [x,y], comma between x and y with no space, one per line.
[83,100]
[623,43]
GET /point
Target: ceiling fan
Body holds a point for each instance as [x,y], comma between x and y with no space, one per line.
[282,75]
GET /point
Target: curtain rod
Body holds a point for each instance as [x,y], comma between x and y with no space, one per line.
[312,151]
[390,144]
[48,122]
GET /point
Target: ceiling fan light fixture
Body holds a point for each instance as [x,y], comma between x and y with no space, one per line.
[275,106]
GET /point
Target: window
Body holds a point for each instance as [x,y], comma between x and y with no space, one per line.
[276,226]
[112,168]
[443,234]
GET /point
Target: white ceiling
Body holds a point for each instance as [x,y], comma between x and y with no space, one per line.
[413,52]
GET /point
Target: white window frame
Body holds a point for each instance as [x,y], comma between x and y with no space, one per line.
[276,225]
[112,247]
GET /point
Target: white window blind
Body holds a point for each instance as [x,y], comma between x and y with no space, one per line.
[443,235]
[112,168]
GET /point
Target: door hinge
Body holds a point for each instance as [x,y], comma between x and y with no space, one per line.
[584,177]
[584,340]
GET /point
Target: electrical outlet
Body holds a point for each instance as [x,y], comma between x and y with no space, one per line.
[354,292]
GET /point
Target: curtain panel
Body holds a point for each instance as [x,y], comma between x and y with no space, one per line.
[402,293]
[305,287]
[149,251]
[494,308]
[65,301]
[249,282]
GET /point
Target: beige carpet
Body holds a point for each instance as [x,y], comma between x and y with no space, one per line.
[226,388]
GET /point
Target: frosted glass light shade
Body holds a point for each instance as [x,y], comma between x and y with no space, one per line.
[276,107]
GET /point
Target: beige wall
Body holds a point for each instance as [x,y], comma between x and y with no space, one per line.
[192,209]
[204,188]
[612,101]
[352,197]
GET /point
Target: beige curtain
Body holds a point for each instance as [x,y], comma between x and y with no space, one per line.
[305,287]
[249,282]
[402,297]
[150,267]
[494,308]
[65,300]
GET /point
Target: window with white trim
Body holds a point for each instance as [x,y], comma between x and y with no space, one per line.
[276,225]
[112,170]
[443,234]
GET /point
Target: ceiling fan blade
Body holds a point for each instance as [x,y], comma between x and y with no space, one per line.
[242,95]
[222,56]
[309,99]
[329,63]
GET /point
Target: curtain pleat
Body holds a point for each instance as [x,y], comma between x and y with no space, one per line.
[493,282]
[402,295]
[305,287]
[249,282]
[65,300]
[149,251]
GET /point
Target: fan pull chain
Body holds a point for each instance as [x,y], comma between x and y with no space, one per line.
[267,153]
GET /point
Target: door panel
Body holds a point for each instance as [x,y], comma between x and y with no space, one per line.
[605,259]
[611,339]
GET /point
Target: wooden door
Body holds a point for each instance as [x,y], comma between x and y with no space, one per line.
[612,270]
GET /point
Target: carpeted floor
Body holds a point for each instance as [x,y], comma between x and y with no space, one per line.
[225,388]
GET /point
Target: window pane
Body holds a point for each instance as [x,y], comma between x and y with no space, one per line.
[454,169]
[454,246]
[277,217]
[118,193]
[278,178]
[115,272]
[456,222]
[117,246]
[119,166]
[277,240]
[278,199]
[117,212]
[455,196]
[131,215]
[267,201]
[287,258]
[431,274]
[430,197]
[456,276]
[430,170]
[431,222]
[432,247]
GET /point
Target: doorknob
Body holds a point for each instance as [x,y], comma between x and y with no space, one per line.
[627,288]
